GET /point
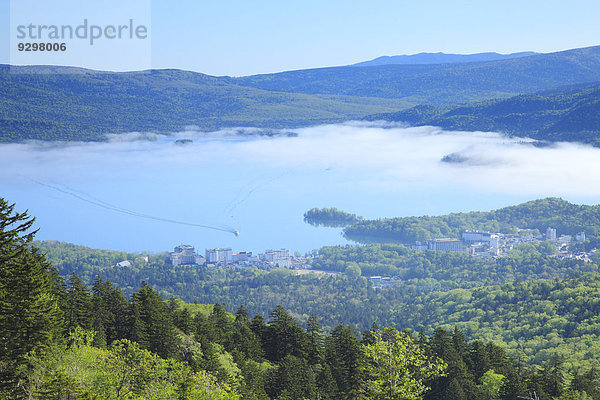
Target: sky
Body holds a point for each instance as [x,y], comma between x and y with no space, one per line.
[237,38]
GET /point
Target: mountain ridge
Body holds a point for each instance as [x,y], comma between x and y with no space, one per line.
[441,83]
[569,115]
[440,58]
[85,105]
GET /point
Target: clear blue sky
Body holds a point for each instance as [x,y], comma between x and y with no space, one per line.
[231,37]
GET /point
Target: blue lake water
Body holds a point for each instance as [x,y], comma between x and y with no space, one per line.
[261,186]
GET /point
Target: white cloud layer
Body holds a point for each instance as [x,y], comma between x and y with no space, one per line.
[375,155]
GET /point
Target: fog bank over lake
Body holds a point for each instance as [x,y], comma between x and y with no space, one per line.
[261,185]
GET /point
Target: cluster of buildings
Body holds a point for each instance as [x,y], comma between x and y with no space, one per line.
[486,244]
[221,257]
[184,254]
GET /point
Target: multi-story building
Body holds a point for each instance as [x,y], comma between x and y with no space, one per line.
[185,254]
[243,256]
[479,250]
[219,255]
[446,244]
[490,242]
[284,262]
[275,254]
[494,245]
[419,246]
[279,257]
[564,240]
[550,234]
[476,236]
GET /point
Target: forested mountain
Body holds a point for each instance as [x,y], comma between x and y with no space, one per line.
[538,319]
[61,340]
[423,279]
[540,214]
[441,83]
[435,270]
[572,114]
[61,103]
[441,58]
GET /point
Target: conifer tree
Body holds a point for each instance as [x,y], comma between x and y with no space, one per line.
[455,391]
[183,320]
[315,349]
[220,326]
[259,327]
[344,355]
[292,380]
[326,386]
[241,315]
[30,318]
[284,336]
[111,313]
[587,382]
[79,304]
[153,326]
[246,343]
[513,386]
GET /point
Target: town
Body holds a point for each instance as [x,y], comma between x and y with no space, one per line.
[224,257]
[489,245]
[476,243]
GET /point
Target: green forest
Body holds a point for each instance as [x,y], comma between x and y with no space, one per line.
[417,298]
[73,104]
[538,215]
[440,84]
[330,217]
[564,114]
[62,339]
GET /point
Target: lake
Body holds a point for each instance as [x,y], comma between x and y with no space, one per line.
[129,192]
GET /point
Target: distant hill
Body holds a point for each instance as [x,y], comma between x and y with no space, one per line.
[61,103]
[572,114]
[565,217]
[440,58]
[440,84]
[76,104]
